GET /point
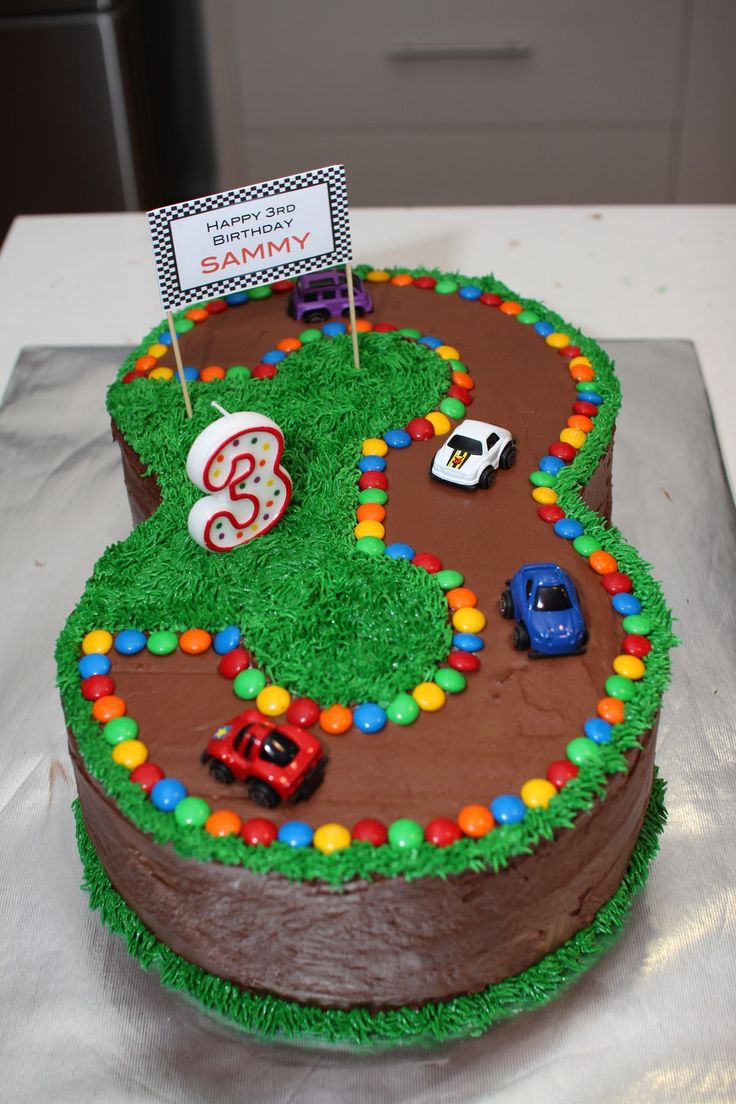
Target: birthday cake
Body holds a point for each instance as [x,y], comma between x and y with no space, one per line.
[367,752]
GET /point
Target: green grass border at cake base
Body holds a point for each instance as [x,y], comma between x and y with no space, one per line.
[496,849]
[273,1017]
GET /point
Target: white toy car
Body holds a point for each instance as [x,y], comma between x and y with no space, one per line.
[472,455]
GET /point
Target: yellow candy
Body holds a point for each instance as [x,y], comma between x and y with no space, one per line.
[374,446]
[99,641]
[447,352]
[429,696]
[574,437]
[537,793]
[331,837]
[161,373]
[579,360]
[273,701]
[157,350]
[369,529]
[631,667]
[546,496]
[130,753]
[468,619]
[440,422]
[557,340]
[377,276]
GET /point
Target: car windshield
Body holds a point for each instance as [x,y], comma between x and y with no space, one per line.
[278,749]
[549,599]
[467,444]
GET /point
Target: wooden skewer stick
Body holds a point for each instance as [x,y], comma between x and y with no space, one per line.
[351,308]
[179,365]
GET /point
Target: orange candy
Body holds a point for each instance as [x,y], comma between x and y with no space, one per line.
[459,597]
[212,372]
[224,822]
[197,314]
[582,373]
[462,379]
[336,719]
[511,307]
[402,279]
[195,641]
[362,325]
[289,344]
[370,511]
[475,820]
[105,709]
[144,363]
[602,562]
[611,710]
[579,421]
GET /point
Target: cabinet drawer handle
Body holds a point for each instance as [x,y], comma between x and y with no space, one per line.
[509,49]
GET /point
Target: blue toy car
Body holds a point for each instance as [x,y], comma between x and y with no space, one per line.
[543,599]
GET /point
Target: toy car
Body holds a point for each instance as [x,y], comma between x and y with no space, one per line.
[276,761]
[321,295]
[471,457]
[543,599]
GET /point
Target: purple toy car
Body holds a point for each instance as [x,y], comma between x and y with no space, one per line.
[322,295]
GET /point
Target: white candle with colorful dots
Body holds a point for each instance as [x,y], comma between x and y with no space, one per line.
[237,461]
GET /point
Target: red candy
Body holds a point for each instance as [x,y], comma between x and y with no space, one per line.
[442,832]
[303,712]
[488,299]
[562,451]
[428,561]
[588,410]
[264,371]
[420,429]
[259,830]
[425,282]
[146,775]
[561,772]
[569,351]
[635,645]
[615,582]
[232,663]
[461,393]
[373,480]
[217,306]
[130,376]
[282,285]
[467,662]
[97,686]
[370,831]
[384,327]
[550,512]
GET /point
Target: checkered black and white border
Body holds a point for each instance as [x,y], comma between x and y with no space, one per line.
[160,220]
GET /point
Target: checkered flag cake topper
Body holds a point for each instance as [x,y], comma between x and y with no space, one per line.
[232,241]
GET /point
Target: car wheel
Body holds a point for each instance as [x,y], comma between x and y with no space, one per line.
[313,316]
[221,773]
[359,312]
[263,794]
[508,456]
[585,638]
[487,478]
[521,637]
[506,604]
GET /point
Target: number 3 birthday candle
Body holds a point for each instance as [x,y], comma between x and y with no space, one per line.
[237,461]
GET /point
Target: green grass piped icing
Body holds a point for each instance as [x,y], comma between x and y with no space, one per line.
[461,1017]
[158,578]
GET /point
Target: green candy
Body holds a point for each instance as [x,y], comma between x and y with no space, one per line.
[183,325]
[446,287]
[542,479]
[408,332]
[586,545]
[450,680]
[373,494]
[403,710]
[238,371]
[249,683]
[264,292]
[372,546]
[527,318]
[405,834]
[453,408]
[162,642]
[585,385]
[619,687]
[457,366]
[119,729]
[306,336]
[637,623]
[581,750]
[449,579]
[191,812]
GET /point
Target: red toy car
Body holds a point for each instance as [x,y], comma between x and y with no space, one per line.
[276,761]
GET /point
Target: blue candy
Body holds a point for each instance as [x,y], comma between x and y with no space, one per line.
[226,639]
[591,397]
[568,528]
[626,604]
[468,642]
[598,730]
[332,329]
[236,298]
[369,717]
[508,809]
[397,438]
[430,342]
[372,463]
[167,793]
[93,664]
[164,338]
[130,642]
[470,291]
[273,356]
[190,373]
[544,328]
[400,551]
[296,833]
[551,464]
